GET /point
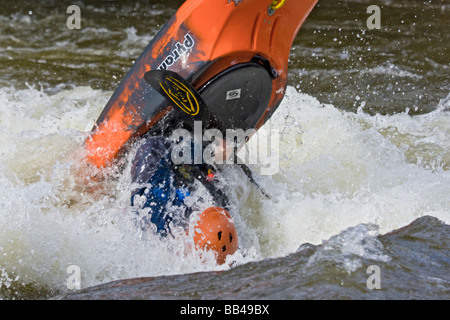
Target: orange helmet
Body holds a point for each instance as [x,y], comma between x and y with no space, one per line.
[215,231]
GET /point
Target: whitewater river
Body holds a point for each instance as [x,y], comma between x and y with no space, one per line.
[359,206]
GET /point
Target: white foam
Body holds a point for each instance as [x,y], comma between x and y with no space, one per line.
[340,169]
[337,170]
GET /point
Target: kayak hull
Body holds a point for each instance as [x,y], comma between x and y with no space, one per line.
[203,39]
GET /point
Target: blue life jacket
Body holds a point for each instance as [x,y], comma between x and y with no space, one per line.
[166,186]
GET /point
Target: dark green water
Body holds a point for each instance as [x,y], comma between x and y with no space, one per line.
[370,154]
[297,277]
[335,58]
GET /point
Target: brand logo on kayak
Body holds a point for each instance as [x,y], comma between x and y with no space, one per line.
[180,94]
[233,94]
[179,51]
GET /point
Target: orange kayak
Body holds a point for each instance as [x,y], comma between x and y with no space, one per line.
[233,52]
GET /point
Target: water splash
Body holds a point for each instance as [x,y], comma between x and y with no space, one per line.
[338,170]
